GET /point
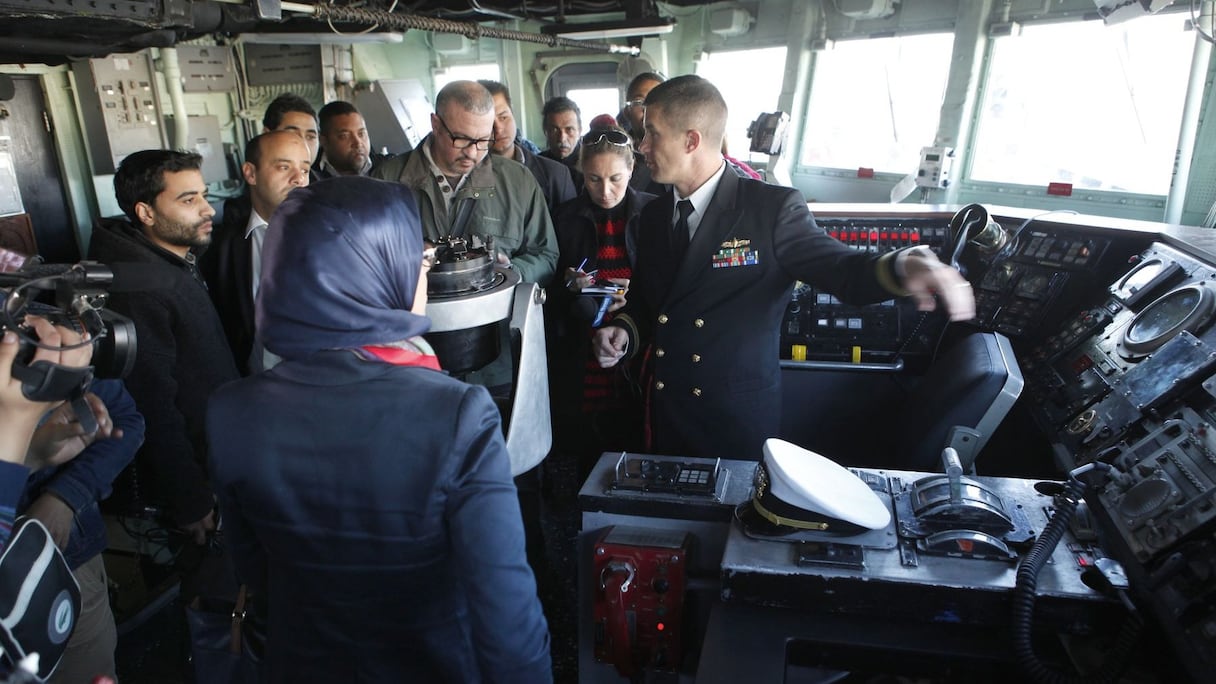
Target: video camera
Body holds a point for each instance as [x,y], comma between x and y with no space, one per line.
[72,296]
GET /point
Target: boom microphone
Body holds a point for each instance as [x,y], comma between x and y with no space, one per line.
[133,276]
[116,277]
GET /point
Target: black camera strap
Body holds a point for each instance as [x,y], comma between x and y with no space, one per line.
[46,381]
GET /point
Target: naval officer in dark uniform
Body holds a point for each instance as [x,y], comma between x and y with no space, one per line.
[717,259]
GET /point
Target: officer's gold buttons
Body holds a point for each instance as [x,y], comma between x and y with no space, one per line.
[696,358]
[696,391]
[700,323]
[658,384]
[662,318]
[660,352]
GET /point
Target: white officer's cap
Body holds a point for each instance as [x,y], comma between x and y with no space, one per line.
[801,489]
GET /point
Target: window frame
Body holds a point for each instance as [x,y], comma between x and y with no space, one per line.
[802,168]
[1010,192]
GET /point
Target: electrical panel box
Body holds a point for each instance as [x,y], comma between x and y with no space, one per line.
[450,44]
[397,113]
[203,137]
[639,578]
[866,9]
[936,163]
[269,65]
[120,107]
[206,69]
[730,22]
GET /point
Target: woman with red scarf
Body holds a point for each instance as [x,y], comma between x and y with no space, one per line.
[364,492]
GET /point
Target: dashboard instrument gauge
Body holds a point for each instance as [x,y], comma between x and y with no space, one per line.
[1186,308]
[1147,276]
[1034,285]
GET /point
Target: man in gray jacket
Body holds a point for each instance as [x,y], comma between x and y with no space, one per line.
[452,166]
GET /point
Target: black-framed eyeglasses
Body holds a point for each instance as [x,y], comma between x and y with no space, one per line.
[613,136]
[463,142]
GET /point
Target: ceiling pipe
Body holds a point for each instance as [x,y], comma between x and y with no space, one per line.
[402,22]
[77,48]
[493,12]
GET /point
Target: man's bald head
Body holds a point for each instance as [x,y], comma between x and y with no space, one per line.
[469,96]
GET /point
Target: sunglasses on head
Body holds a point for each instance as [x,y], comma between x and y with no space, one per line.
[612,136]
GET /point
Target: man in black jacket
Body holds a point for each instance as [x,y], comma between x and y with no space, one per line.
[345,147]
[182,355]
[717,259]
[290,112]
[563,126]
[553,177]
[275,164]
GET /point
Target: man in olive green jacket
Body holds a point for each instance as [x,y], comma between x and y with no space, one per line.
[452,166]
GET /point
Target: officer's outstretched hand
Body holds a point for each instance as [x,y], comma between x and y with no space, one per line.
[924,276]
[609,344]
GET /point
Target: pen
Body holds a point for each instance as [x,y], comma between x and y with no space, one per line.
[580,266]
[604,304]
[599,315]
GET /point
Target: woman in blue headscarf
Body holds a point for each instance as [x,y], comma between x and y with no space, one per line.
[364,491]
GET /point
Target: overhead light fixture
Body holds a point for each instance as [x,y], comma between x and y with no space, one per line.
[321,38]
[601,30]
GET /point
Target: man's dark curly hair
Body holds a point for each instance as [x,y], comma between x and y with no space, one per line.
[287,102]
[141,176]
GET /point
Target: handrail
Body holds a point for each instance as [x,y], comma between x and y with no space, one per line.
[892,367]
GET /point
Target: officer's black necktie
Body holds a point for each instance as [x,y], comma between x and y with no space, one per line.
[679,233]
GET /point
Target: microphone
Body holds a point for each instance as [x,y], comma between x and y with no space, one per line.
[124,276]
[116,277]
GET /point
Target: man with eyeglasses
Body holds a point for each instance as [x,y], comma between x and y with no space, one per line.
[452,169]
[553,177]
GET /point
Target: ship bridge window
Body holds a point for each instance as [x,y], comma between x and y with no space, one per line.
[875,102]
[595,101]
[750,82]
[1083,103]
[593,86]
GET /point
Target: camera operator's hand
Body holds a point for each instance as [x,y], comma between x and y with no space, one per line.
[198,530]
[56,515]
[61,437]
[18,415]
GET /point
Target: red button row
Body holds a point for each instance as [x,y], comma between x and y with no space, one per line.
[855,236]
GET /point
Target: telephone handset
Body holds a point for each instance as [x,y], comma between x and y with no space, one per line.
[768,133]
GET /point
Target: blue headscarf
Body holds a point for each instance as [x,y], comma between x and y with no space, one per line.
[340,266]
